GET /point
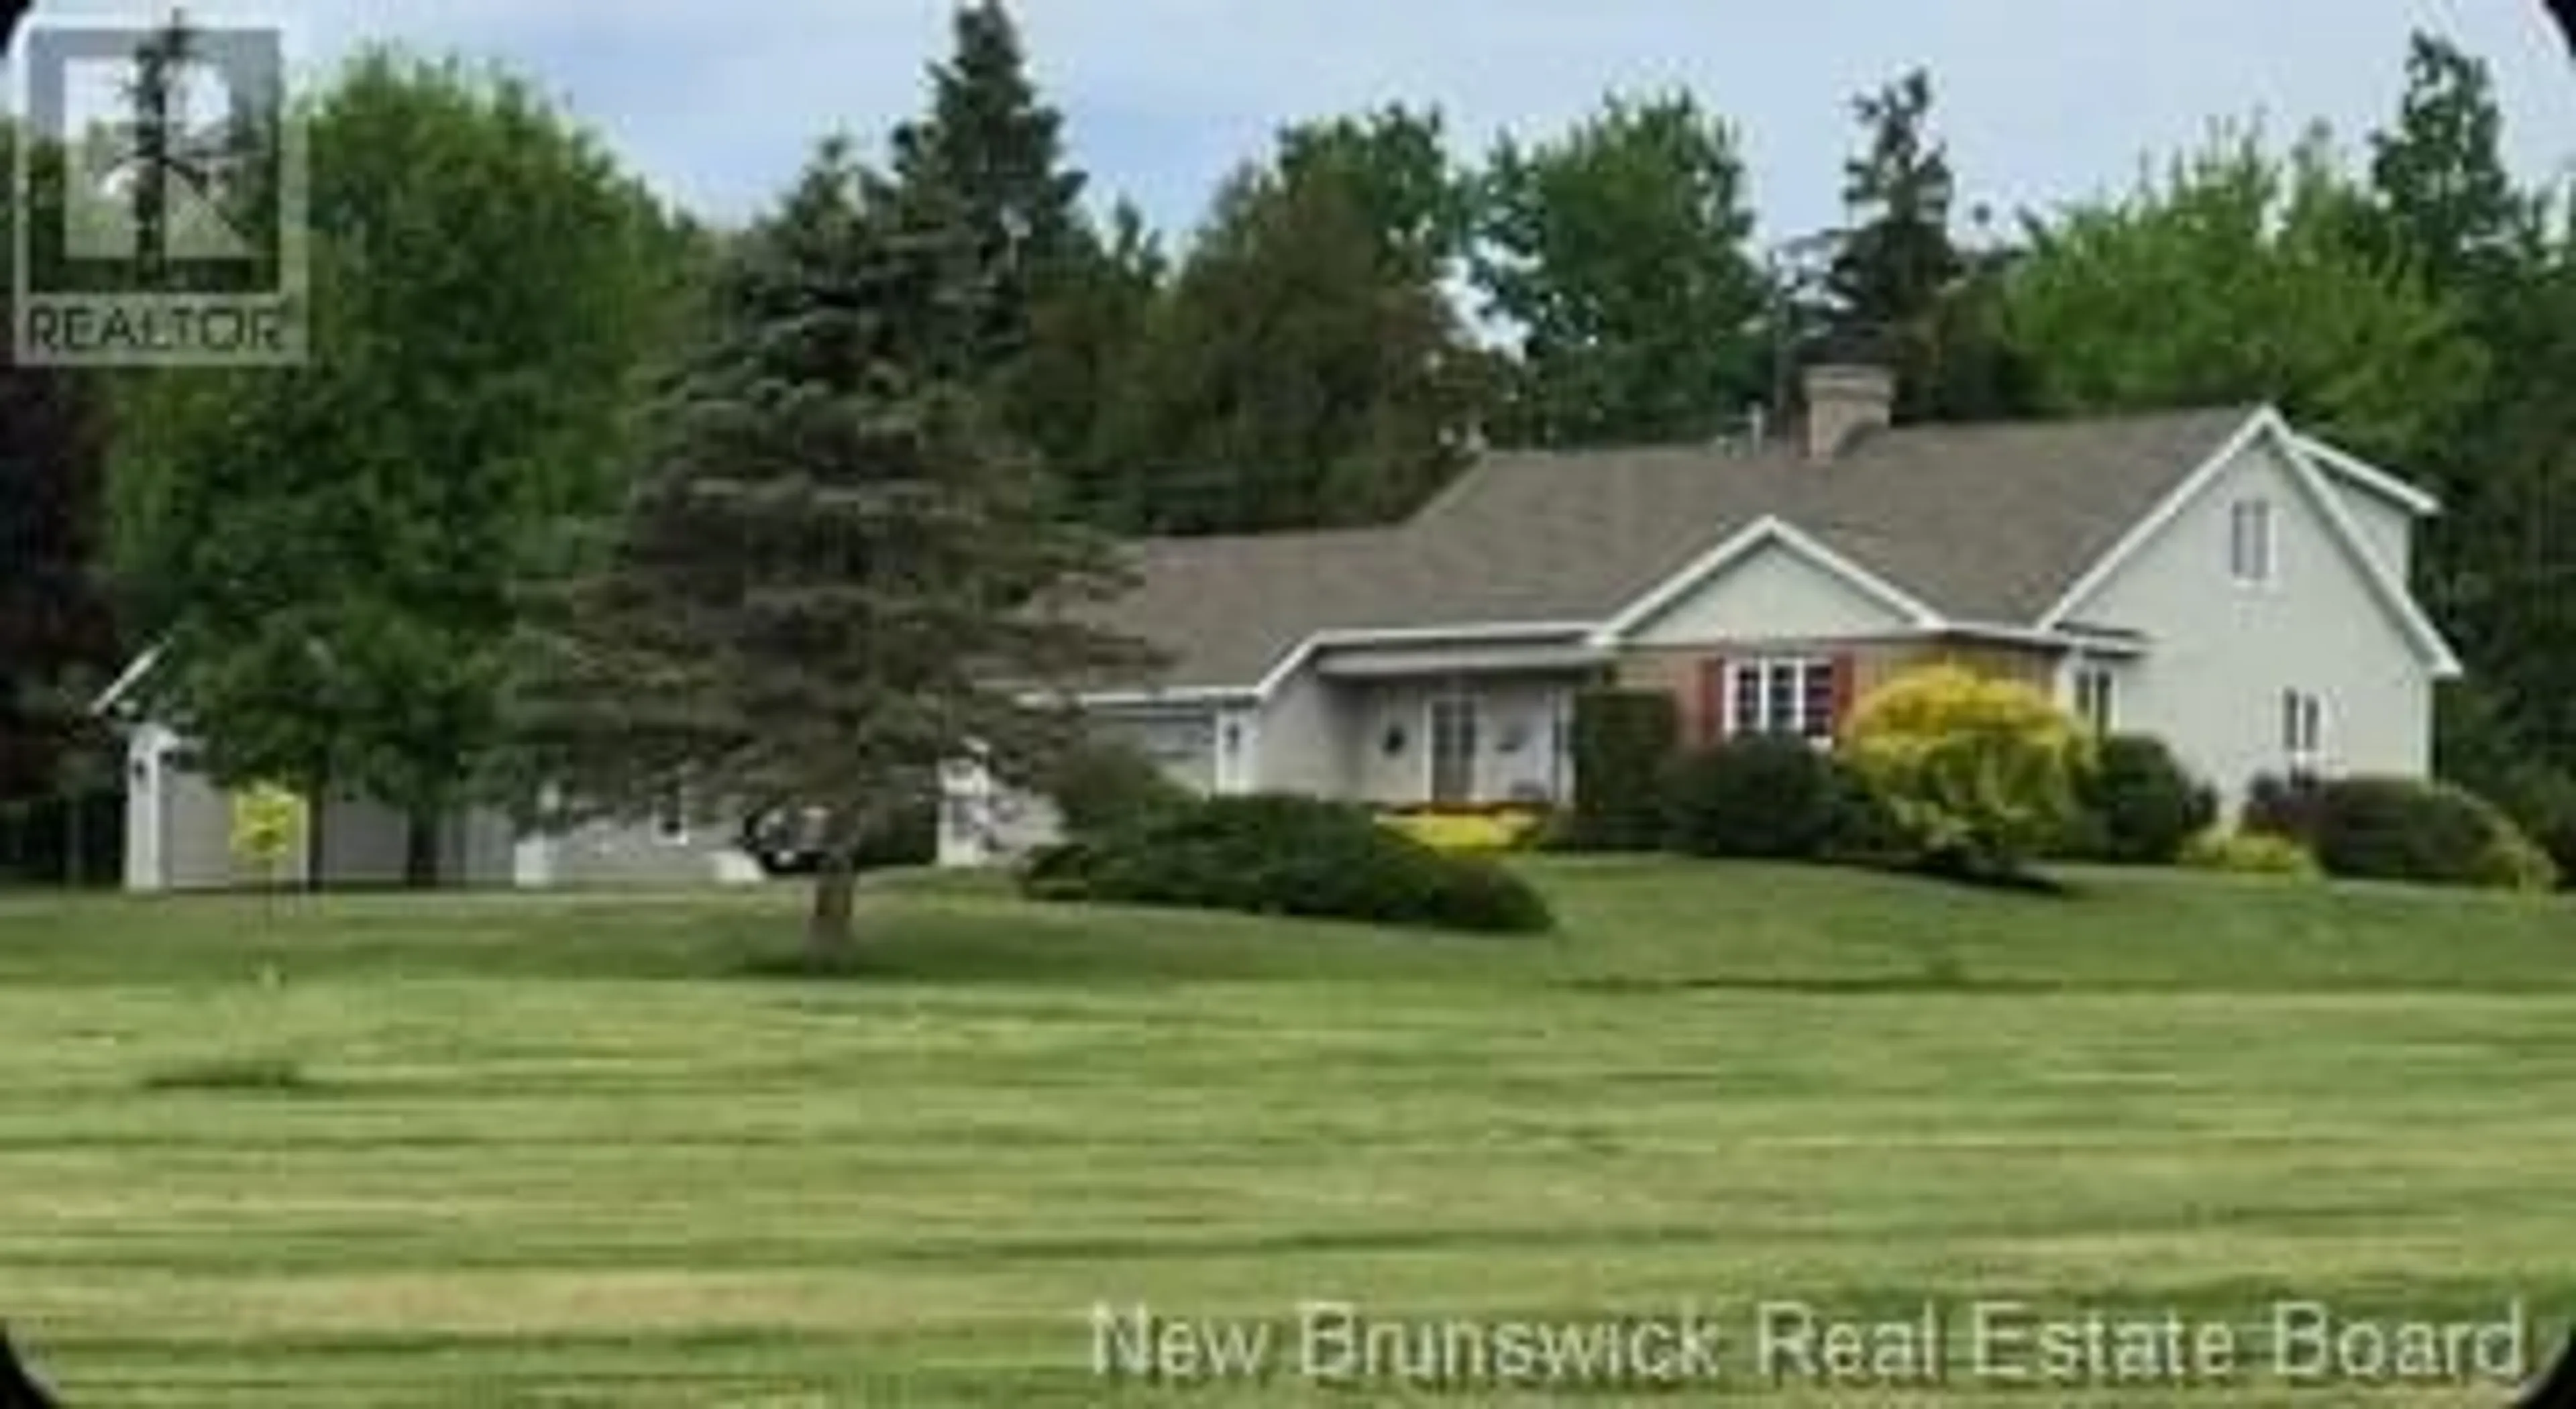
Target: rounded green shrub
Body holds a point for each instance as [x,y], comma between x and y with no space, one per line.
[1100,785]
[2281,807]
[1859,825]
[1286,856]
[1623,740]
[2541,800]
[2141,807]
[2514,859]
[1759,797]
[2403,829]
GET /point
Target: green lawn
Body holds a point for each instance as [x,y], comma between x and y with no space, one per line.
[574,1151]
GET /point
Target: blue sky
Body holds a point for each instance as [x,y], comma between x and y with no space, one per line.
[716,101]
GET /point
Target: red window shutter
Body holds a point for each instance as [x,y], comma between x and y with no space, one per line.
[1846,689]
[1712,700]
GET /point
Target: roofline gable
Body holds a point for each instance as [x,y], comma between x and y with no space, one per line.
[1764,532]
[2268,424]
[2343,464]
[127,682]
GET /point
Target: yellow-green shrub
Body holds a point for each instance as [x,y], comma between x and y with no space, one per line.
[268,825]
[1469,833]
[1978,773]
[2251,854]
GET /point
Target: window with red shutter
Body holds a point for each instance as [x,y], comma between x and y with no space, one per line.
[1846,690]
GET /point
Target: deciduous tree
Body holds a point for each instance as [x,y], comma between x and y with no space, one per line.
[1616,255]
[330,551]
[2233,278]
[2500,564]
[1306,367]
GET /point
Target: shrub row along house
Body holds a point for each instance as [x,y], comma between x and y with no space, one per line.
[2213,577]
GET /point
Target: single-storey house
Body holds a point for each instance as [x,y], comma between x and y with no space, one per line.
[2214,577]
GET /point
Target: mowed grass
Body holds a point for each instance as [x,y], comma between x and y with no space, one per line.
[575,1151]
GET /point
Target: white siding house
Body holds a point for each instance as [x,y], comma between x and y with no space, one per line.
[2215,578]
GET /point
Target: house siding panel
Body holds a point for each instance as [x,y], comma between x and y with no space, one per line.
[1181,742]
[1305,739]
[2389,528]
[1772,595]
[613,855]
[2223,653]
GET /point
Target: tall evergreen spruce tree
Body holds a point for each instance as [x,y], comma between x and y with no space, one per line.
[833,576]
[990,155]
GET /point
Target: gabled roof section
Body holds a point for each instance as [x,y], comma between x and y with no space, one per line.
[2354,470]
[121,690]
[1970,524]
[2267,427]
[1771,531]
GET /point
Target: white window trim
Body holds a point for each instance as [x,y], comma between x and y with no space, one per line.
[2304,727]
[2266,544]
[2099,705]
[1767,666]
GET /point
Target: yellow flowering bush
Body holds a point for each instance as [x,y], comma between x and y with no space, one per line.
[1469,832]
[268,824]
[1979,773]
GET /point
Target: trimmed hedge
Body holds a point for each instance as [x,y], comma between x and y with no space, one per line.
[2140,806]
[1286,856]
[2400,829]
[1623,742]
[1759,797]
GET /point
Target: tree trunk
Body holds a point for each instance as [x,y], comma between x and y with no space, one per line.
[421,847]
[831,934]
[317,830]
[75,862]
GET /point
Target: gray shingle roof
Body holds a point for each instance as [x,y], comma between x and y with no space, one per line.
[1986,524]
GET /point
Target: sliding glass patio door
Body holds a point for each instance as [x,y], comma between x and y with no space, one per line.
[1453,750]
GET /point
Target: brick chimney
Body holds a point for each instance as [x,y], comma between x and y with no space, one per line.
[1845,401]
